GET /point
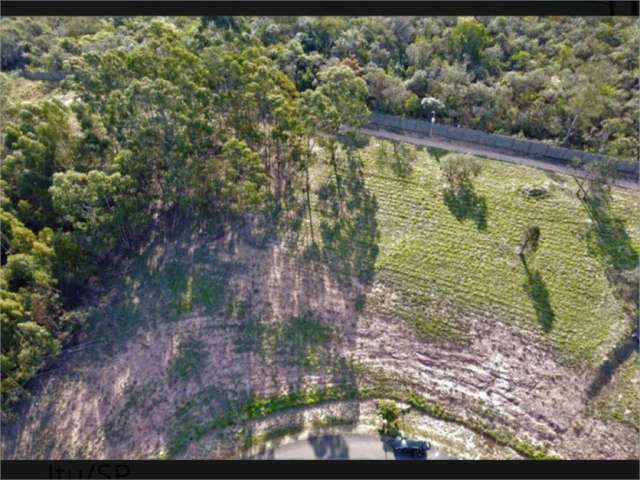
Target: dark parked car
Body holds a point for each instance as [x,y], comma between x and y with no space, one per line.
[416,448]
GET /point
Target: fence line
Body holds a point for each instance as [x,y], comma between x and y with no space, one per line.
[528,148]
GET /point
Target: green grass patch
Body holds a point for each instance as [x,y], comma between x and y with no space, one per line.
[199,288]
[185,299]
[437,326]
[620,400]
[262,407]
[332,421]
[190,429]
[303,337]
[462,252]
[302,340]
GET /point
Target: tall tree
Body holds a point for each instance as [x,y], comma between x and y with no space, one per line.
[97,206]
[41,144]
[338,104]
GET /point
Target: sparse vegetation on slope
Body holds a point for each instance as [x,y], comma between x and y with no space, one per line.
[252,409]
[190,358]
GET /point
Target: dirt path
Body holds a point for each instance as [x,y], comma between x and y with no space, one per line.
[472,149]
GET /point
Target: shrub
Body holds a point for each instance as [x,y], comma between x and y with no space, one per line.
[390,414]
[530,240]
[459,170]
[19,271]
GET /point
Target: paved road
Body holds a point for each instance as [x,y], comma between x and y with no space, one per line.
[463,147]
[342,447]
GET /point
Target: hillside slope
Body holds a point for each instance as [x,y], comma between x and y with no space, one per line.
[412,294]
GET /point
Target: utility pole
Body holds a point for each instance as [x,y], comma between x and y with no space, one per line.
[433,120]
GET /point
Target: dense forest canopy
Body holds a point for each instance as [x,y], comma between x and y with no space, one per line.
[162,119]
[569,80]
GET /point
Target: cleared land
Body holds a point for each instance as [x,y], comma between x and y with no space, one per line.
[412,293]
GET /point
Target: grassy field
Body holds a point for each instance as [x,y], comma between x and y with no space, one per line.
[438,254]
[620,401]
[438,250]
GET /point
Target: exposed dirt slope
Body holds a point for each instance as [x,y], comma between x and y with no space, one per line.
[121,402]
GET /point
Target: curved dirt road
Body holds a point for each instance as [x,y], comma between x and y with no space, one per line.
[473,149]
[346,446]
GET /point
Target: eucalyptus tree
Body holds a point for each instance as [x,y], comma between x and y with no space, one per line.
[30,305]
[38,146]
[97,206]
[530,240]
[338,104]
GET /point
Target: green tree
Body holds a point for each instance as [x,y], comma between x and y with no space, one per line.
[390,414]
[587,98]
[459,170]
[325,31]
[471,37]
[29,306]
[338,103]
[245,184]
[97,206]
[389,92]
[223,21]
[40,145]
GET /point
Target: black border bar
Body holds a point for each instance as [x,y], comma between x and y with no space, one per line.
[317,8]
[285,469]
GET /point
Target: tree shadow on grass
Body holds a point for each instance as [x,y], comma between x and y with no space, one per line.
[354,140]
[611,365]
[395,156]
[348,225]
[608,238]
[403,157]
[626,287]
[538,292]
[170,277]
[436,153]
[466,203]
